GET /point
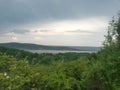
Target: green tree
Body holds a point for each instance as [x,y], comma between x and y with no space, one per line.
[113,33]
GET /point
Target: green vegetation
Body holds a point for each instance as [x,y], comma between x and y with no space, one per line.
[43,58]
[21,70]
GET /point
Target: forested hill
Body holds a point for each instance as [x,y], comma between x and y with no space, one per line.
[30,46]
[44,58]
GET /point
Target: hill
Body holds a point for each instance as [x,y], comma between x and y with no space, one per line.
[29,46]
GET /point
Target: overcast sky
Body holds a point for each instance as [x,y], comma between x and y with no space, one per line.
[56,22]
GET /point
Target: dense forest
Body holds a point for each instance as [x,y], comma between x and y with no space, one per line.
[21,70]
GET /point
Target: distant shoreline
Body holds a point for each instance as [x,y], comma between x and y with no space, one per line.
[59,51]
[35,48]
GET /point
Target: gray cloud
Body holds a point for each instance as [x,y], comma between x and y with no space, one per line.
[20,31]
[44,30]
[79,31]
[26,11]
[23,13]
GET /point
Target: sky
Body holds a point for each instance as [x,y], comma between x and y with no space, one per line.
[56,22]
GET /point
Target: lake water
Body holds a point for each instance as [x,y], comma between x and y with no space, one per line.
[58,51]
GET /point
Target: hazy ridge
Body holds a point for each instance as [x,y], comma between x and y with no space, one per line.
[30,46]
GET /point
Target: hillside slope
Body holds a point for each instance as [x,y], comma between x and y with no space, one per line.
[30,46]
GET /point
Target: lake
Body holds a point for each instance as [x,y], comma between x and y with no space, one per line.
[59,51]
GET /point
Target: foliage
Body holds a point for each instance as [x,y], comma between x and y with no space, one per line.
[20,70]
[43,58]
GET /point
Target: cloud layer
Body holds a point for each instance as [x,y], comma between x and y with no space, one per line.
[27,11]
[55,22]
